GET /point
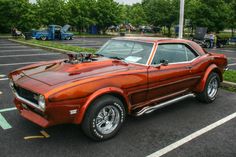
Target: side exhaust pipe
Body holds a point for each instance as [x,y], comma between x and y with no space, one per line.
[150,109]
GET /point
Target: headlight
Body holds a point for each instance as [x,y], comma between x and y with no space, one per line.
[41,102]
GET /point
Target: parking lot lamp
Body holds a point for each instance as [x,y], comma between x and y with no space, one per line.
[181,18]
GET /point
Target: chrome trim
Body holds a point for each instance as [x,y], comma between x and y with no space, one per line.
[226,68]
[25,100]
[150,109]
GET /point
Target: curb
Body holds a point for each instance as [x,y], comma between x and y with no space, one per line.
[43,47]
[228,84]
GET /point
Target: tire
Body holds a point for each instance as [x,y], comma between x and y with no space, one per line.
[67,38]
[208,44]
[104,118]
[43,38]
[208,95]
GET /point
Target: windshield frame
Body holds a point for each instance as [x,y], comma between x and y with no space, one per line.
[135,41]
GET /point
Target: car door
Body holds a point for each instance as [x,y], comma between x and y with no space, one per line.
[170,72]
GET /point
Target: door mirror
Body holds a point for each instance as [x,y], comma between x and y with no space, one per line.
[164,62]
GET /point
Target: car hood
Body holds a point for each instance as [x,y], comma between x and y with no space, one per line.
[65,28]
[53,73]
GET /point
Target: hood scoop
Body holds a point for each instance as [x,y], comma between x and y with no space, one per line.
[76,58]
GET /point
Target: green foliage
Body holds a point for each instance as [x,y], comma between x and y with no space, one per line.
[52,12]
[212,14]
[108,12]
[81,14]
[162,12]
[17,13]
[134,14]
[230,75]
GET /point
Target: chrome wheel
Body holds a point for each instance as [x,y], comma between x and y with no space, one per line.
[107,119]
[212,87]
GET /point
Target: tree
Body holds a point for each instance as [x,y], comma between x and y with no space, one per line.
[162,12]
[82,13]
[136,15]
[211,14]
[20,14]
[52,12]
[108,12]
[231,15]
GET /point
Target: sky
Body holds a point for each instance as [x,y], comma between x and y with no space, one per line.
[120,1]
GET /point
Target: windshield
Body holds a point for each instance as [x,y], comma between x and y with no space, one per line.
[130,51]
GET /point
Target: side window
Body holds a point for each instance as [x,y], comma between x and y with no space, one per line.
[173,53]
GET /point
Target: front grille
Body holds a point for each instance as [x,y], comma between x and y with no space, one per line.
[26,94]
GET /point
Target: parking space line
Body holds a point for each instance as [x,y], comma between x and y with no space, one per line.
[3,123]
[232,64]
[3,79]
[192,136]
[42,54]
[7,109]
[20,50]
[18,63]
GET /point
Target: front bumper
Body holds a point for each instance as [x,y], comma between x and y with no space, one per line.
[54,115]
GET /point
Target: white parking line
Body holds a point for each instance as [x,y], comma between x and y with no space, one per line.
[7,109]
[192,136]
[3,79]
[3,123]
[20,50]
[227,50]
[18,63]
[232,64]
[1,76]
[42,54]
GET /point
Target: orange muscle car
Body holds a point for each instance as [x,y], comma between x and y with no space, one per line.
[127,75]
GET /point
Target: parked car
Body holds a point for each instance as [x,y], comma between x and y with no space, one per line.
[53,32]
[232,40]
[127,76]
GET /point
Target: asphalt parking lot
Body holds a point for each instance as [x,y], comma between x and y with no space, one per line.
[140,136]
[87,42]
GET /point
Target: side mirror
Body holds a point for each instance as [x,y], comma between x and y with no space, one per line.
[164,62]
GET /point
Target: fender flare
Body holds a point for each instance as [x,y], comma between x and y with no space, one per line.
[108,90]
[201,85]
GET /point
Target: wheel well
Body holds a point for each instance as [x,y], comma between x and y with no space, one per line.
[219,73]
[117,95]
[122,99]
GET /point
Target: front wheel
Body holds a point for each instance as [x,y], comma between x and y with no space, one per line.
[104,118]
[210,91]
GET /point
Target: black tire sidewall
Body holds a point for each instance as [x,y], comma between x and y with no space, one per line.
[93,111]
[213,74]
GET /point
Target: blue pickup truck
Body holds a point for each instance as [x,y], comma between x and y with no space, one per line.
[53,32]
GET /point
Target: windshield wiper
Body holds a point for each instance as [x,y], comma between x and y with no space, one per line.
[98,54]
[115,57]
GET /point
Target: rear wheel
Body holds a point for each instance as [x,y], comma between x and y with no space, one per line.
[43,38]
[210,91]
[104,118]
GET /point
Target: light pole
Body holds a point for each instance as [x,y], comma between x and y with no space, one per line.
[181,19]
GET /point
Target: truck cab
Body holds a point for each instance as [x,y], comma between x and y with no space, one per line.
[54,32]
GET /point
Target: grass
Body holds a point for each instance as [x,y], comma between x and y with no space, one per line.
[60,45]
[225,35]
[230,76]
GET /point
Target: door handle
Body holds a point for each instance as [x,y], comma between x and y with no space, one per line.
[189,67]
